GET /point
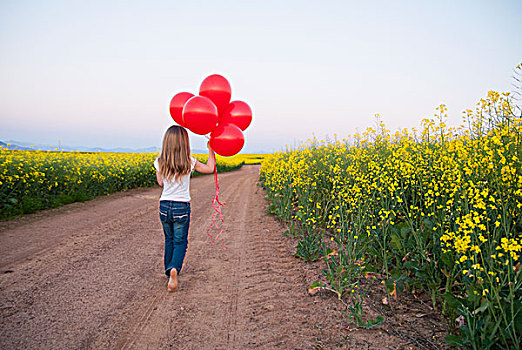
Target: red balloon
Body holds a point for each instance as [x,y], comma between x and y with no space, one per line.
[218,89]
[200,115]
[238,113]
[227,140]
[176,106]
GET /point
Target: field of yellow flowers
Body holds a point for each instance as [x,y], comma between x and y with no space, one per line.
[34,180]
[246,159]
[438,210]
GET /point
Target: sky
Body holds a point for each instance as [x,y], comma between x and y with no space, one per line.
[102,73]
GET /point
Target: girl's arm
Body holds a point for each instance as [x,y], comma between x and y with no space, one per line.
[159,179]
[211,162]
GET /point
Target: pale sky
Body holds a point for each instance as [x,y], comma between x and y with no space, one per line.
[102,73]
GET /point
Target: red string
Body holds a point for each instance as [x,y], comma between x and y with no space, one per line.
[216,205]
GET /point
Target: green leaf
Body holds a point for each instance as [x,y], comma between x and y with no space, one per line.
[405,230]
[452,301]
[389,285]
[396,242]
[448,260]
[428,224]
[474,296]
[316,284]
[371,323]
[455,340]
[482,307]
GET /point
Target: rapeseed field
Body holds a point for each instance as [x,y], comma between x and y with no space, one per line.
[437,209]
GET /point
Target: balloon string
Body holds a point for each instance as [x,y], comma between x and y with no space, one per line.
[216,205]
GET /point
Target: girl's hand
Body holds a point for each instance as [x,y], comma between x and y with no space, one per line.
[211,162]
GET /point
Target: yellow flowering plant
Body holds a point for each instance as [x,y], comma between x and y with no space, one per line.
[437,210]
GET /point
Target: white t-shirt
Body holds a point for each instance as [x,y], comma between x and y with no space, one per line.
[178,191]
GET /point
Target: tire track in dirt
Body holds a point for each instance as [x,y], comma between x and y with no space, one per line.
[269,301]
[238,242]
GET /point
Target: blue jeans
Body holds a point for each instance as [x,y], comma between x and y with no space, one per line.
[175,218]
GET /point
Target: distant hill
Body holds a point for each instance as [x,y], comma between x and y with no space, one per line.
[27,146]
[13,146]
[21,145]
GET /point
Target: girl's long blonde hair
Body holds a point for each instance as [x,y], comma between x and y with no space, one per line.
[174,160]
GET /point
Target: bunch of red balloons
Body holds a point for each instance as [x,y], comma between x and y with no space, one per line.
[212,112]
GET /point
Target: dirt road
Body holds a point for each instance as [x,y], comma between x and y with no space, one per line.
[90,276]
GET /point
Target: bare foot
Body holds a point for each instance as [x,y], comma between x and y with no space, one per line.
[173,281]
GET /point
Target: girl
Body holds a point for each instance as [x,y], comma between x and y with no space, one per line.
[173,168]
